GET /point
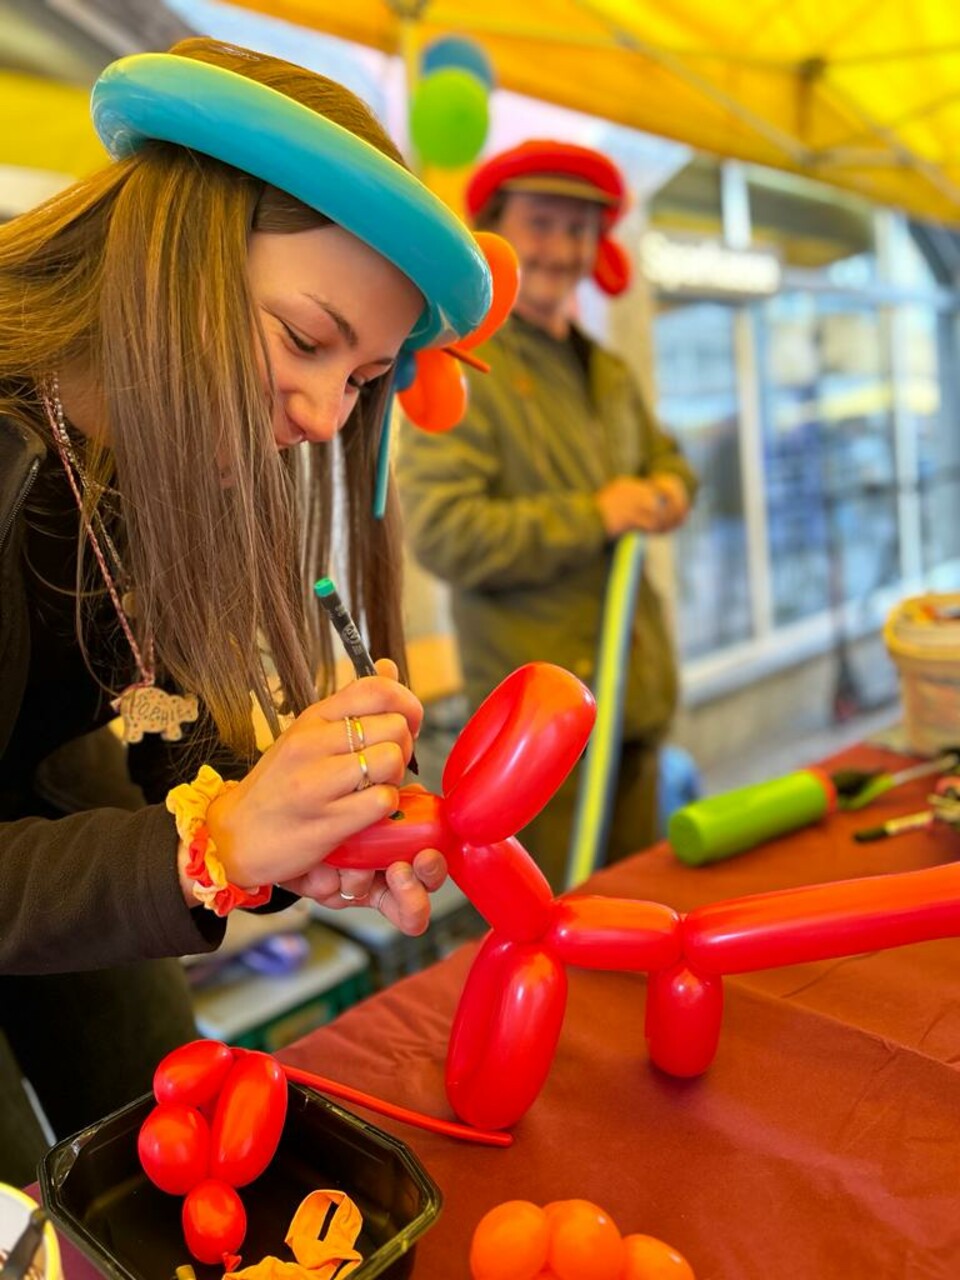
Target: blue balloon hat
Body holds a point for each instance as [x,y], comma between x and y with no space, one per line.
[456,51]
[263,132]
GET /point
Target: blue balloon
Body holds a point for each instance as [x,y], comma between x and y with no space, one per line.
[464,55]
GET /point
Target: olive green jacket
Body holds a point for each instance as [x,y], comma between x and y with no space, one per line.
[503,509]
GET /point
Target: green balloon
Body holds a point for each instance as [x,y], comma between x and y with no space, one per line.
[449,117]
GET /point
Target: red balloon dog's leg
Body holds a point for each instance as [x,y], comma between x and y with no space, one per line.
[505,1032]
[684,1012]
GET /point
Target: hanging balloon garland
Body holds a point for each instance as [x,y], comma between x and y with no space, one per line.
[451,80]
[449,106]
[449,119]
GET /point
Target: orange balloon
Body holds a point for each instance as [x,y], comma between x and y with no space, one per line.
[651,1259]
[585,1242]
[510,1242]
[436,400]
[505,271]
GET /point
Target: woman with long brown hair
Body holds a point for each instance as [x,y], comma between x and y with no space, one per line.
[197,350]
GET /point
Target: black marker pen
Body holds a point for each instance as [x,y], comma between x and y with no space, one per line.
[349,633]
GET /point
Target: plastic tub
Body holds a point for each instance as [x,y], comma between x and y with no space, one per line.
[96,1192]
[922,636]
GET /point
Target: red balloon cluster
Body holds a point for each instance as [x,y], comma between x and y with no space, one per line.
[217,1123]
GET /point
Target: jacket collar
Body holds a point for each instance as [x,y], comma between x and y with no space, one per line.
[21,452]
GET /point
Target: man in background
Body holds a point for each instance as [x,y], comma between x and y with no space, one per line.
[519,507]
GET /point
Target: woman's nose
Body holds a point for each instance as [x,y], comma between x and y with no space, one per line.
[319,411]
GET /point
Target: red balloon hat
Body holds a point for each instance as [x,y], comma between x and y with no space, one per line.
[562,169]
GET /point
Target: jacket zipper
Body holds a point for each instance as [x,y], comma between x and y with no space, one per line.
[21,499]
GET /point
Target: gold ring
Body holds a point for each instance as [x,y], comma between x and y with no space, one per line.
[348,724]
[358,730]
[364,773]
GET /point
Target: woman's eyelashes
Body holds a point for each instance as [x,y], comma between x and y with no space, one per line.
[356,380]
[308,348]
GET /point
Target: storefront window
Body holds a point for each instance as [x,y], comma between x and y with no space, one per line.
[859,473]
[698,404]
[930,404]
[909,264]
[828,454]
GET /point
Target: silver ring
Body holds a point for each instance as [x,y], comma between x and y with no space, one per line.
[348,897]
[379,902]
[364,773]
[348,725]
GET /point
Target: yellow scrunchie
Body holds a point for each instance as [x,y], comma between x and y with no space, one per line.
[189,803]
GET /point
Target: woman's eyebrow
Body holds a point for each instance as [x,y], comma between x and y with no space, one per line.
[346,328]
[340,320]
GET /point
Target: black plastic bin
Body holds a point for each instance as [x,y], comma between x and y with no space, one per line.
[98,1196]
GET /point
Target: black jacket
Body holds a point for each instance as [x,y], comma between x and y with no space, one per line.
[93,889]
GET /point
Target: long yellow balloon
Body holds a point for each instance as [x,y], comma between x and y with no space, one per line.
[46,125]
[449,185]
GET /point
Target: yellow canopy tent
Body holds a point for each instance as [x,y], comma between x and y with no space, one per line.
[864,94]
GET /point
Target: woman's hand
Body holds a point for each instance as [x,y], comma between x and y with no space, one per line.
[333,772]
[400,894]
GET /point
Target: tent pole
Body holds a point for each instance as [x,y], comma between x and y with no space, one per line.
[408,13]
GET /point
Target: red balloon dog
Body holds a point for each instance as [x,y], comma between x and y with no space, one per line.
[508,761]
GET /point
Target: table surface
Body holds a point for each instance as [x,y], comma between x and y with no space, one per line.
[820,1145]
